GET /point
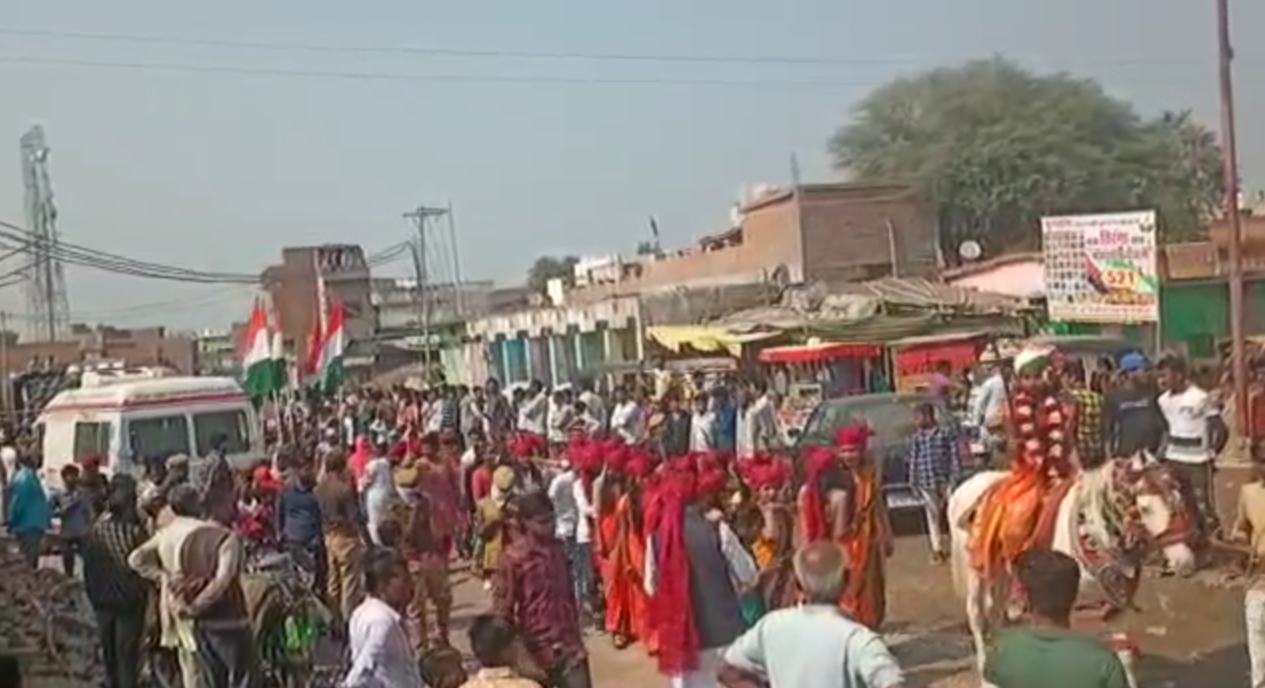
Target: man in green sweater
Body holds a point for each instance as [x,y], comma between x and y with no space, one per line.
[1045,652]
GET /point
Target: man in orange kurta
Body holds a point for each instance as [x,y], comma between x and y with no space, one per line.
[842,500]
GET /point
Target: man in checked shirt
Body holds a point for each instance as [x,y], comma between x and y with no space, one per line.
[934,461]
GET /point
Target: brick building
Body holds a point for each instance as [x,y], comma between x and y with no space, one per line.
[832,233]
[340,273]
[133,348]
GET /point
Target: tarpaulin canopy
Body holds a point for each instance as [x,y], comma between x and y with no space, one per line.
[919,355]
[818,352]
[703,338]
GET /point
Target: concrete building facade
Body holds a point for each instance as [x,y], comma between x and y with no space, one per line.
[828,233]
[818,233]
[335,273]
[149,347]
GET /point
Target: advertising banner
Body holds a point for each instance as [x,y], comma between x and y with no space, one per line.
[1101,268]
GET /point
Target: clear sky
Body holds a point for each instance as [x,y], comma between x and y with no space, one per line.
[217,170]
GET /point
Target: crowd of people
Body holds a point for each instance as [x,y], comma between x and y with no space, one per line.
[680,528]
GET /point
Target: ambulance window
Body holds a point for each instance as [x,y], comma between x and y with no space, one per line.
[91,439]
[233,425]
[157,438]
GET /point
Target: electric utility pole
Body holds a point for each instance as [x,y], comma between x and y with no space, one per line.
[424,219]
[1230,182]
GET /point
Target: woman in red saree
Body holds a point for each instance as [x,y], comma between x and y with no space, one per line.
[607,489]
[842,500]
[626,599]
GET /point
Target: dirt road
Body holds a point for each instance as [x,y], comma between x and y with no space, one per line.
[1190,630]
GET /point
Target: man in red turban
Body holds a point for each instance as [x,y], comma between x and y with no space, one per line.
[842,500]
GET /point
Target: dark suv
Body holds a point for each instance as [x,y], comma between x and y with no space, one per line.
[891,419]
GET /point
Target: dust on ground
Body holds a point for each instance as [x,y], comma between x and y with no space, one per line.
[1190,631]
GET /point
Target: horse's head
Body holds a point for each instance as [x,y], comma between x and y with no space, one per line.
[1154,511]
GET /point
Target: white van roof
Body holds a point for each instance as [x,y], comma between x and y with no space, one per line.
[147,393]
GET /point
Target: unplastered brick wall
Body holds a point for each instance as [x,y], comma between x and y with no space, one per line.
[851,234]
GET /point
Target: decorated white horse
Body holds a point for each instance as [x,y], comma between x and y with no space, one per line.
[1107,520]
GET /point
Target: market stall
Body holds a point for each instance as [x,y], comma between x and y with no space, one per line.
[809,373]
[914,359]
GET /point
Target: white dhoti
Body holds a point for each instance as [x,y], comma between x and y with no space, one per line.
[705,675]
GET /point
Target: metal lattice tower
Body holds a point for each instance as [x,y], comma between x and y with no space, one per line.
[47,302]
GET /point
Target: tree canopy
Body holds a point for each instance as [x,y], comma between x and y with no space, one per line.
[550,267]
[996,147]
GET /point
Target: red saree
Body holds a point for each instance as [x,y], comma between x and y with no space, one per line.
[626,600]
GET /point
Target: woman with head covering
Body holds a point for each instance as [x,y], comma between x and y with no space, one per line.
[842,500]
[379,493]
[625,556]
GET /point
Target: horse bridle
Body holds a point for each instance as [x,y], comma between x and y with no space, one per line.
[1155,480]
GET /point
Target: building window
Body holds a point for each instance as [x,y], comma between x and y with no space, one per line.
[233,425]
[158,438]
[91,439]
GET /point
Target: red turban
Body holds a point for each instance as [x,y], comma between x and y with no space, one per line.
[617,460]
[587,461]
[817,460]
[710,482]
[853,437]
[264,480]
[764,471]
[638,467]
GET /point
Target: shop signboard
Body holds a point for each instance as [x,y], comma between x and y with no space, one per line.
[1101,268]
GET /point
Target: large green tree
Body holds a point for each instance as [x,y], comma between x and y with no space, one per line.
[997,147]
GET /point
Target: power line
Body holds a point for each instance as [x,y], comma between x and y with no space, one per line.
[168,40]
[101,260]
[152,306]
[438,77]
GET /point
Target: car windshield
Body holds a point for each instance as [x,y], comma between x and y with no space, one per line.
[890,417]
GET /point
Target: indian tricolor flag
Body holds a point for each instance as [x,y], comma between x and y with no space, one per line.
[259,367]
[329,365]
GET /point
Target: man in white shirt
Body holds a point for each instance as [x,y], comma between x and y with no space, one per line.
[703,425]
[757,424]
[566,490]
[531,415]
[592,402]
[381,652]
[162,559]
[582,564]
[561,417]
[812,645]
[626,418]
[1188,449]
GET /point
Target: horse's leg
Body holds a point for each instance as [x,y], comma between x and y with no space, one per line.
[999,595]
[977,613]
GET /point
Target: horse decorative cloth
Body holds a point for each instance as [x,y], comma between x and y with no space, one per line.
[1109,516]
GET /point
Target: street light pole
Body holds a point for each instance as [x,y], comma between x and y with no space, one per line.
[1230,184]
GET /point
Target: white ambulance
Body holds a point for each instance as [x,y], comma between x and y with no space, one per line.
[128,421]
